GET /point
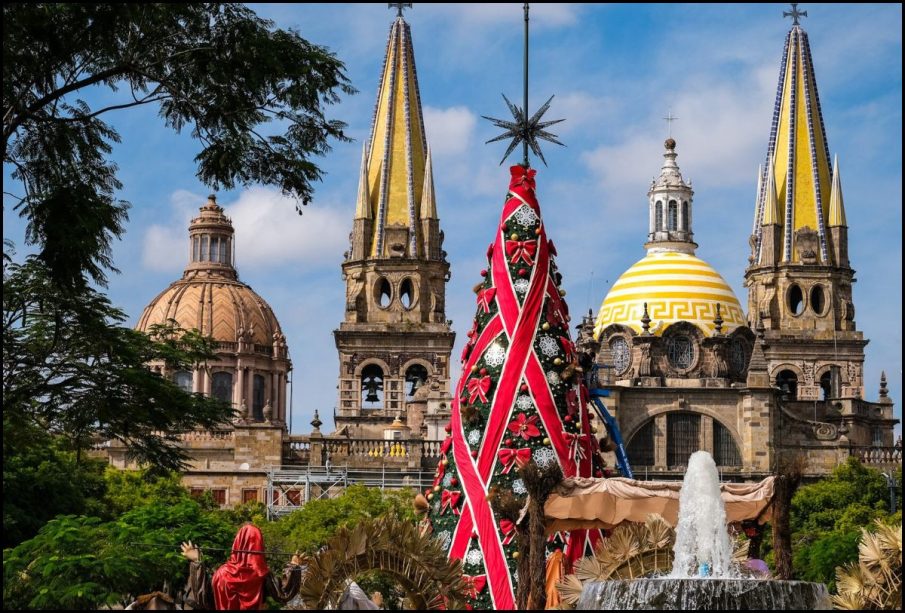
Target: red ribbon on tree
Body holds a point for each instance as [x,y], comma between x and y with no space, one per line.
[568,347]
[572,401]
[508,530]
[521,250]
[444,447]
[576,443]
[450,500]
[510,457]
[478,388]
[474,585]
[485,297]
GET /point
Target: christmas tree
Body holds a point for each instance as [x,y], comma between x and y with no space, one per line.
[520,398]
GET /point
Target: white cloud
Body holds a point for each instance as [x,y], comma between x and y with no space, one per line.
[449,131]
[269,232]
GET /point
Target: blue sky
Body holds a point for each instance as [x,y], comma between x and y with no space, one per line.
[616,71]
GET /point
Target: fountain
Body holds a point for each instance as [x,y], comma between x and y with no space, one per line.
[703,576]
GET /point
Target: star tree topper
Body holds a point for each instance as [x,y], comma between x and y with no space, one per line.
[523,130]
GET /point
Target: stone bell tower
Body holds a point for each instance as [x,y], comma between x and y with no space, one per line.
[395,341]
[799,278]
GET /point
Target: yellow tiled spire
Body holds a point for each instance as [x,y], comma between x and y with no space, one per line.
[398,147]
[837,206]
[363,203]
[798,160]
[772,213]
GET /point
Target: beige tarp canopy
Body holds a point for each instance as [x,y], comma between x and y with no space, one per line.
[606,503]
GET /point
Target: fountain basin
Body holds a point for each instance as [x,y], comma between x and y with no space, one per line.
[659,594]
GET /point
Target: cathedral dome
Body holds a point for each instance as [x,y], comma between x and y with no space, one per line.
[221,308]
[676,287]
[209,297]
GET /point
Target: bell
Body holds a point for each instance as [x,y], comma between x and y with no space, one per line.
[371,386]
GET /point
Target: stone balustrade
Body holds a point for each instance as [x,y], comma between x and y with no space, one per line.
[878,456]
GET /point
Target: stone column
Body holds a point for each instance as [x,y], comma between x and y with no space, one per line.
[275,395]
[706,434]
[239,388]
[249,393]
[208,381]
[660,441]
[198,379]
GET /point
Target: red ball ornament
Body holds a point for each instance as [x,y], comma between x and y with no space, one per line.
[522,272]
[567,418]
[484,273]
[448,427]
[537,231]
[504,227]
[524,387]
[474,453]
[483,371]
[508,442]
[598,474]
[590,417]
[454,482]
[468,607]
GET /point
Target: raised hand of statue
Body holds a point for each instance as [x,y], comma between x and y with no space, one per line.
[191,552]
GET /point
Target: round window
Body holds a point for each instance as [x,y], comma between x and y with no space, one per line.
[680,351]
[621,353]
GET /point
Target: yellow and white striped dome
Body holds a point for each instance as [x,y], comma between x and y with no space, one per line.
[676,287]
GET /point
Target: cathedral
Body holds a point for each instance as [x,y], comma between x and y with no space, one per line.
[684,364]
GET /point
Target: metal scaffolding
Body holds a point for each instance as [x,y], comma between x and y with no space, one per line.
[289,488]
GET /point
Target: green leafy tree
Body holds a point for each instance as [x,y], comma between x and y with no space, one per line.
[311,526]
[72,370]
[217,70]
[827,517]
[84,562]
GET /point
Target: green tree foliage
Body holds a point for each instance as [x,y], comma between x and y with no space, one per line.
[78,562]
[217,70]
[311,526]
[44,480]
[827,518]
[71,369]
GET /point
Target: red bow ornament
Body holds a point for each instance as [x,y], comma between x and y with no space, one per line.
[508,530]
[522,176]
[524,426]
[474,585]
[450,500]
[485,298]
[511,457]
[568,347]
[577,443]
[521,250]
[477,389]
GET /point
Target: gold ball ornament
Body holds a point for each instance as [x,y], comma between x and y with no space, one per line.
[562,292]
[436,488]
[558,361]
[444,461]
[514,236]
[546,326]
[474,368]
[546,441]
[537,231]
[430,496]
[515,555]
[594,429]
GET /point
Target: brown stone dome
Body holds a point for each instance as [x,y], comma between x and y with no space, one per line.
[219,307]
[209,297]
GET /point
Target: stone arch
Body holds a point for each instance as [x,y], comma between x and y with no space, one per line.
[703,411]
[786,366]
[367,362]
[392,546]
[674,330]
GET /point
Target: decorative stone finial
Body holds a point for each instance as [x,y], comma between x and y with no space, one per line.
[645,322]
[670,144]
[316,423]
[760,329]
[883,391]
[718,320]
[268,411]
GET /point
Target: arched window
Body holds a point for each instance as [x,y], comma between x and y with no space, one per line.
[406,293]
[372,387]
[415,377]
[826,385]
[683,437]
[204,249]
[224,251]
[183,379]
[658,224]
[222,386]
[215,249]
[796,300]
[196,248]
[787,381]
[257,398]
[685,221]
[673,215]
[641,447]
[725,451]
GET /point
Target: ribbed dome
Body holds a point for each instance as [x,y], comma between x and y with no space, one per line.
[217,306]
[676,287]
